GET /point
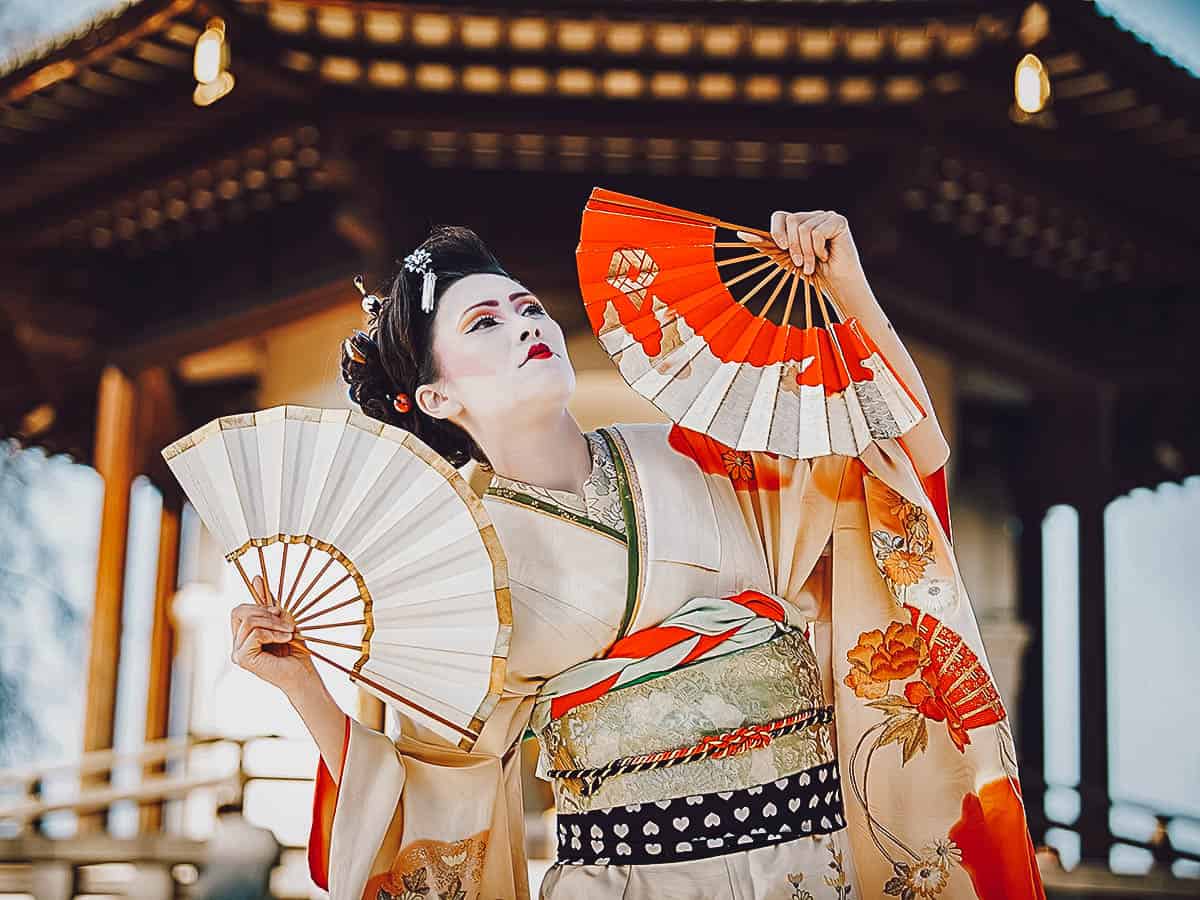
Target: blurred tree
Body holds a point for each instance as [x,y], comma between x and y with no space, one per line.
[37,615]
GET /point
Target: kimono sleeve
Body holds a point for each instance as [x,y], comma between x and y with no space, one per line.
[414,814]
[786,505]
[325,792]
[917,711]
[367,755]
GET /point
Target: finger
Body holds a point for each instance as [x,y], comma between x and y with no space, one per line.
[824,230]
[264,591]
[794,245]
[257,637]
[802,247]
[814,243]
[750,238]
[264,624]
[779,228]
[258,586]
[239,613]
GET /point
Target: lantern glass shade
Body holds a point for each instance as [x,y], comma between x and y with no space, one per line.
[1031,84]
[211,56]
[207,94]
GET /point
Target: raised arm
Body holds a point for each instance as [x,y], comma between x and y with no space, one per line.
[821,242]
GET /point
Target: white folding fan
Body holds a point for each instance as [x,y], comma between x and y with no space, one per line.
[375,544]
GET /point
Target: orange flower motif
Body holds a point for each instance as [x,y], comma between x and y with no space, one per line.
[739,466]
[904,567]
[880,657]
[758,471]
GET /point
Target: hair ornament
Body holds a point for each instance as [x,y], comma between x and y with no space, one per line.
[402,402]
[371,303]
[420,261]
[353,352]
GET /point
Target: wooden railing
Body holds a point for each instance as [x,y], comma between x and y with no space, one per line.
[162,865]
[157,865]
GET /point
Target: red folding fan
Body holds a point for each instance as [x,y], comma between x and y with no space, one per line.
[698,314]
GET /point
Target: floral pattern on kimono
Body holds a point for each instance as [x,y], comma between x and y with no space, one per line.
[915,703]
[944,818]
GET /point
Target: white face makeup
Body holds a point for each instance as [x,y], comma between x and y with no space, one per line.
[483,330]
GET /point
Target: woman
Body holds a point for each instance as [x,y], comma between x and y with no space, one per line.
[749,676]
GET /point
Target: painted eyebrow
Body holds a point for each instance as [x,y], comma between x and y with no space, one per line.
[511,297]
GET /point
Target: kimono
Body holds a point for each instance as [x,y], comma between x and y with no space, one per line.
[749,677]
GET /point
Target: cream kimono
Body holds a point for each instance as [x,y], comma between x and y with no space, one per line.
[763,672]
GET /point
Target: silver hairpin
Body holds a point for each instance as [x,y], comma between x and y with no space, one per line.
[420,261]
[370,302]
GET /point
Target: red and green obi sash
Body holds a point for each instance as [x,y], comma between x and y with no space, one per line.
[702,629]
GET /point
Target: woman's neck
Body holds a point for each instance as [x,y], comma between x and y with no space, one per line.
[553,455]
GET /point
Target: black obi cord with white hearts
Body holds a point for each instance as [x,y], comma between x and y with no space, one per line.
[800,805]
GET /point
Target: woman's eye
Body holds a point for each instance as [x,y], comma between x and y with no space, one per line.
[536,307]
[475,325]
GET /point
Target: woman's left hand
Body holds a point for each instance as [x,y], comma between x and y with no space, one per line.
[818,240]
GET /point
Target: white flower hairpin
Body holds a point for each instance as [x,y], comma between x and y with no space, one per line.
[420,261]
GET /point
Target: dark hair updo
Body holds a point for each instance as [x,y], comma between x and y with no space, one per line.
[395,353]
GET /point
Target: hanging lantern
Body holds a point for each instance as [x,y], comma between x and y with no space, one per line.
[210,64]
[1031,84]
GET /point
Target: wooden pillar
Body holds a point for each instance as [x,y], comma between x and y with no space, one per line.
[157,425]
[162,643]
[115,459]
[1032,503]
[1094,494]
[1078,468]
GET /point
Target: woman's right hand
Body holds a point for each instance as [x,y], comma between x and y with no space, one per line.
[261,632]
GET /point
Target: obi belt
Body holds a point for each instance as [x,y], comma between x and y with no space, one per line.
[704,735]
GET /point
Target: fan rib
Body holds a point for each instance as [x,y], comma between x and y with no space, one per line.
[766,279]
[331,625]
[246,580]
[787,310]
[762,313]
[282,569]
[358,676]
[296,580]
[357,647]
[614,198]
[262,566]
[754,254]
[327,610]
[325,593]
[312,584]
[748,273]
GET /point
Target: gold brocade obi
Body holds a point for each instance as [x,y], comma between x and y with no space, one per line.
[716,699]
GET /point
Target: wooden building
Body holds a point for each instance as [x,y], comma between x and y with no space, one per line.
[1040,261]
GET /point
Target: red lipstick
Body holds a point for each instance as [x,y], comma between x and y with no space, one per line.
[538,351]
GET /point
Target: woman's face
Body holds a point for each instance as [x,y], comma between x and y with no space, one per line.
[484,327]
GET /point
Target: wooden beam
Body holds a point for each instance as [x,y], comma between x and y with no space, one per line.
[208,331]
[146,20]
[865,12]
[115,457]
